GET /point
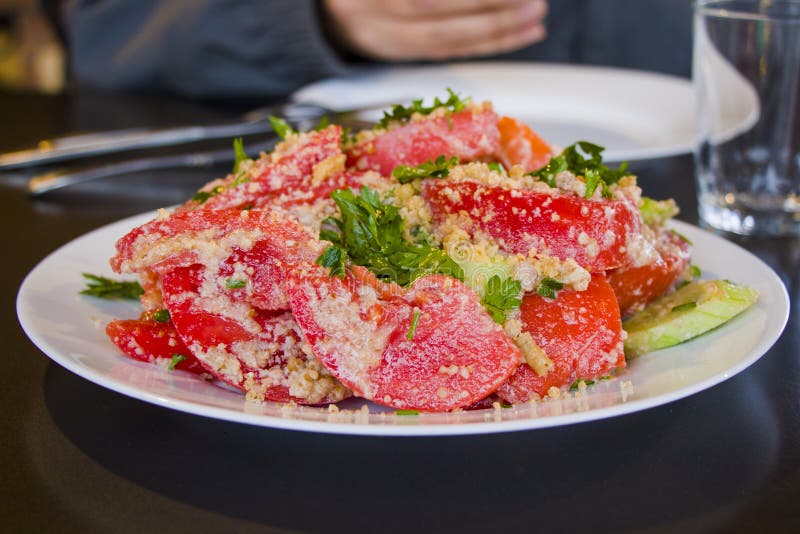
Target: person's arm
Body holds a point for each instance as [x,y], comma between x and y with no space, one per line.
[414,30]
[264,48]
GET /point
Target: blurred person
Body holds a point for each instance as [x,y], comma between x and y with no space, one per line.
[269,48]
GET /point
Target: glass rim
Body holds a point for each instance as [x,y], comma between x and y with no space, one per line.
[737,9]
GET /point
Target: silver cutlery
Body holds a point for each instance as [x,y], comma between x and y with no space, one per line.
[60,178]
[301,115]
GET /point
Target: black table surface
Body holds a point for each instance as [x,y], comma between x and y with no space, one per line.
[75,457]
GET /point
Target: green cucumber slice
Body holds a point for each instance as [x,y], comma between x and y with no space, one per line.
[694,309]
[477,273]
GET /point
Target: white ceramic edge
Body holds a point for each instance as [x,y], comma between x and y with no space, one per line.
[306,94]
[407,428]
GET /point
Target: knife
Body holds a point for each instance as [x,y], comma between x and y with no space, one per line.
[300,114]
[58,179]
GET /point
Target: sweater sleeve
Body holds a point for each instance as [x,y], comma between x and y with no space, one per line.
[202,48]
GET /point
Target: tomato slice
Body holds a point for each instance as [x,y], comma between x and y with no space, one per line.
[310,206]
[636,286]
[520,145]
[469,135]
[316,191]
[188,237]
[295,165]
[431,347]
[259,352]
[581,333]
[595,233]
[151,341]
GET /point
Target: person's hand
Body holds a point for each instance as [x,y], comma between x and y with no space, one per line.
[404,30]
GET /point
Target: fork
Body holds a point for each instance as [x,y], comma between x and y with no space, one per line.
[60,178]
[302,114]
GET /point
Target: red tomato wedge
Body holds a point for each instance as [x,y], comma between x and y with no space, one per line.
[594,233]
[210,236]
[636,286]
[259,352]
[469,135]
[322,190]
[311,206]
[150,341]
[296,165]
[431,347]
[520,145]
[580,331]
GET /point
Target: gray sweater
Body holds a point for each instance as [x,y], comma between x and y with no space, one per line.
[268,48]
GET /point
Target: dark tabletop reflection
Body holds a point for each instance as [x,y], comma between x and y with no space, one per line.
[335,483]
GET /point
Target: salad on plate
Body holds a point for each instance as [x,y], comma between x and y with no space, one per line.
[447,259]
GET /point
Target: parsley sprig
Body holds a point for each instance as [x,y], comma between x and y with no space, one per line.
[239,157]
[176,359]
[577,384]
[162,315]
[582,159]
[657,212]
[413,328]
[281,127]
[106,288]
[454,104]
[370,233]
[500,296]
[439,168]
[548,287]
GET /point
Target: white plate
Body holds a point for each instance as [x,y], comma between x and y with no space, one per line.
[69,328]
[634,114]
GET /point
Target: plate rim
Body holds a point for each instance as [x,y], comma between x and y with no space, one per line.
[676,83]
[406,427]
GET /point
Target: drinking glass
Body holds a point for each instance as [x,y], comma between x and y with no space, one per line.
[746,70]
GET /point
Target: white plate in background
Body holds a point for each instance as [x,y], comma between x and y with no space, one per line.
[69,328]
[634,114]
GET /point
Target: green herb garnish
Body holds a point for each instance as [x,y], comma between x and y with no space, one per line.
[370,233]
[685,306]
[695,271]
[592,181]
[335,259]
[202,196]
[162,316]
[281,127]
[657,212]
[496,167]
[239,155]
[575,385]
[439,168]
[241,177]
[548,287]
[454,104]
[348,137]
[106,288]
[235,283]
[413,328]
[582,159]
[681,237]
[500,296]
[176,359]
[323,123]
[406,412]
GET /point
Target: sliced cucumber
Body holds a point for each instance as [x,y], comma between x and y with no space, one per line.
[694,309]
[477,273]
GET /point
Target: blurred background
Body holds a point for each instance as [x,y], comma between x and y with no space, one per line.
[32,54]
